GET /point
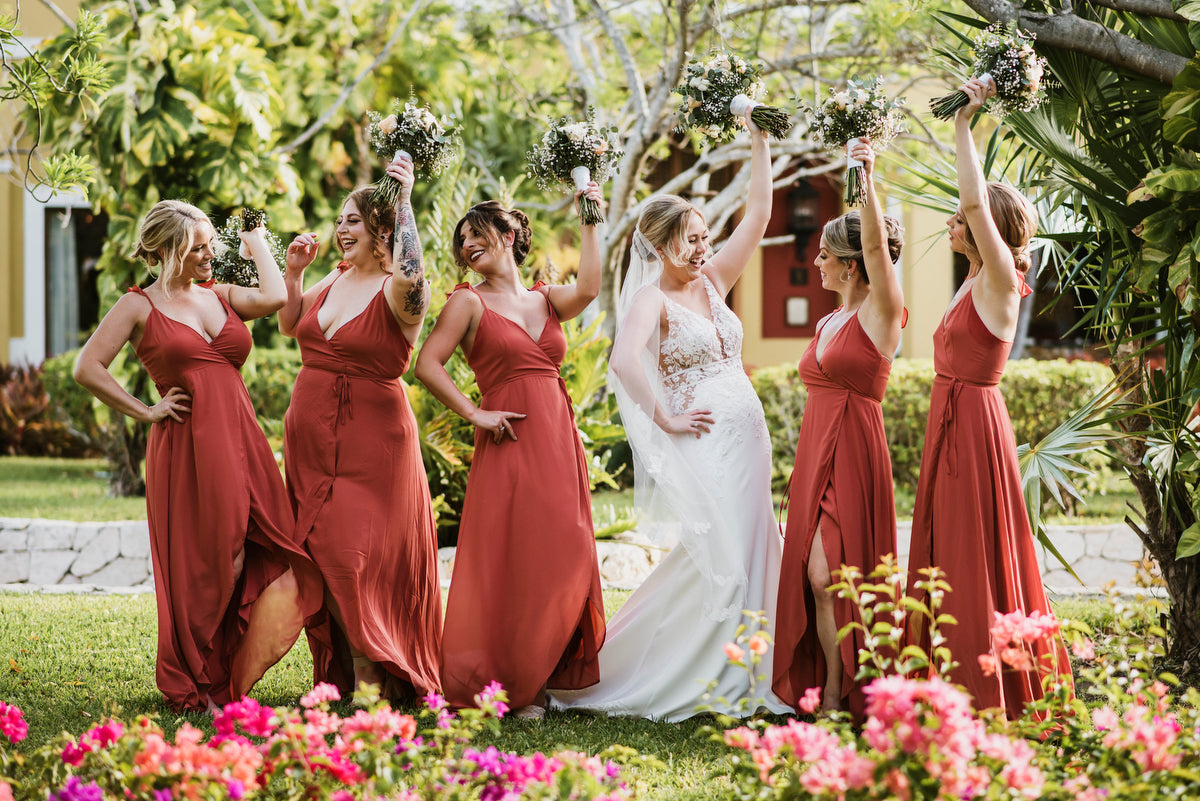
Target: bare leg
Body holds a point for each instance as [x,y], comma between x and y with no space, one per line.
[820,579]
[275,624]
[365,671]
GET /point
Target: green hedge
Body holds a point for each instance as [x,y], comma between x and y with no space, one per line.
[1039,394]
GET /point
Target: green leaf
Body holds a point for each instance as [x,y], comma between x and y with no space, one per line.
[1189,542]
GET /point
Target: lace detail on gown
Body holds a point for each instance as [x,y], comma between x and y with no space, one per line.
[696,349]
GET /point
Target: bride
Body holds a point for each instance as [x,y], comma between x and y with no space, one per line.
[702,460]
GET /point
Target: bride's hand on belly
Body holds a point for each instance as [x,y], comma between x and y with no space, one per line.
[693,421]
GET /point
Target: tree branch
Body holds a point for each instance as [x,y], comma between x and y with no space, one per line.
[1145,8]
[347,90]
[58,12]
[1069,32]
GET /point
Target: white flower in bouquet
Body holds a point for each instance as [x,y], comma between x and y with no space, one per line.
[1005,55]
[862,109]
[231,263]
[416,131]
[573,152]
[718,93]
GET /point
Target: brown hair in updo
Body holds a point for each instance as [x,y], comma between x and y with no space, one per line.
[1015,219]
[492,221]
[843,238]
[378,220]
[166,235]
[664,222]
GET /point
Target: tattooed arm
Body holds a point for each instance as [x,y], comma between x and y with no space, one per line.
[408,291]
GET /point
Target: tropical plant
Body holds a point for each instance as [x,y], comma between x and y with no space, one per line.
[1115,149]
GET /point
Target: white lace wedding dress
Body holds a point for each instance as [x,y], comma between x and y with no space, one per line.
[666,644]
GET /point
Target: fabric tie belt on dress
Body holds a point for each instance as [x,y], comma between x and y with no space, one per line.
[521,376]
[944,437]
[341,390]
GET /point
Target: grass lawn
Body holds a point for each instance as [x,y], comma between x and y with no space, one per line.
[69,660]
[75,489]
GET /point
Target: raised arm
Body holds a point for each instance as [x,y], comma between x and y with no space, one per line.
[884,307]
[408,291]
[300,253]
[727,266]
[999,270]
[455,325]
[270,294]
[571,299]
[638,332]
[122,322]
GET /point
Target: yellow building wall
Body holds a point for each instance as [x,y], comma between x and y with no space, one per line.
[36,22]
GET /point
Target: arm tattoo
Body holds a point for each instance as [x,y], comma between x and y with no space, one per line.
[407,253]
[414,300]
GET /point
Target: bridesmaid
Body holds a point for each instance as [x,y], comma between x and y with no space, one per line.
[525,607]
[353,454]
[842,509]
[232,590]
[970,517]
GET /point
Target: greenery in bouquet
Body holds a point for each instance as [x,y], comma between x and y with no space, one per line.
[428,140]
[571,153]
[861,109]
[231,262]
[718,92]
[1005,54]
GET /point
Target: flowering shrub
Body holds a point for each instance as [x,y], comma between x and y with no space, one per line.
[573,152]
[1006,55]
[309,752]
[860,110]
[923,740]
[719,92]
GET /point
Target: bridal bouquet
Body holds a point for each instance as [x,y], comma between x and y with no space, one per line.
[1006,56]
[572,153]
[717,94]
[232,264]
[414,133]
[861,109]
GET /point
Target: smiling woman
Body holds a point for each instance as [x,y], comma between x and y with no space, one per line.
[232,589]
[525,607]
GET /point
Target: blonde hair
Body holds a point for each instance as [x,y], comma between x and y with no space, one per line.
[843,238]
[166,235]
[664,222]
[1016,220]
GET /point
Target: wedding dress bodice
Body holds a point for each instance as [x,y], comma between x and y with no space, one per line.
[696,348]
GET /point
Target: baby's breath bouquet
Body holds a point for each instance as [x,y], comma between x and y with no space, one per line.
[573,152]
[860,110]
[1006,56]
[717,94]
[231,262]
[411,132]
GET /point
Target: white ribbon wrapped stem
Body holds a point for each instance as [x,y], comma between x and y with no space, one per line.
[401,155]
[740,105]
[987,78]
[581,176]
[850,160]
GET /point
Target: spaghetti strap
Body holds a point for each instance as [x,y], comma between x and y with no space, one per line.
[138,290]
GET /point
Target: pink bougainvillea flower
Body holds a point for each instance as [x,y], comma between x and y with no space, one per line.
[1085,649]
[988,664]
[757,645]
[6,793]
[810,702]
[12,722]
[734,652]
[323,693]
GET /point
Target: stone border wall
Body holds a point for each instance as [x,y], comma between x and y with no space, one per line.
[56,552]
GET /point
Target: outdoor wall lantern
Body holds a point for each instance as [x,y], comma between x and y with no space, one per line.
[804,209]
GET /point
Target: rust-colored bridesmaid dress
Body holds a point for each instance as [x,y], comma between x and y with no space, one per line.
[970,518]
[525,607]
[357,483]
[843,480]
[213,491]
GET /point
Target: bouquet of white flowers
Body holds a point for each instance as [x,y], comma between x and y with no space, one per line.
[411,132]
[573,152]
[1006,56]
[860,110]
[231,263]
[717,94]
